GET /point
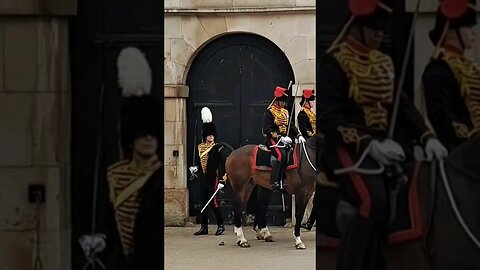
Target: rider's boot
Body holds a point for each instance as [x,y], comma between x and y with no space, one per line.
[276,176]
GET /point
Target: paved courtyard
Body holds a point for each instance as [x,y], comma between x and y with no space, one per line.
[184,251]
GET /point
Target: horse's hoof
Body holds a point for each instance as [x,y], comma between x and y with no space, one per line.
[269,239]
[300,246]
[245,245]
[259,237]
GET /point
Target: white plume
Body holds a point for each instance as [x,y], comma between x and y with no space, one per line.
[134,73]
[206,115]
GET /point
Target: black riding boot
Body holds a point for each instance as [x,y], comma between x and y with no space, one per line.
[355,243]
[276,176]
[218,216]
[203,230]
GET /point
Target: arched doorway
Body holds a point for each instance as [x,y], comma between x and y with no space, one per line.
[234,76]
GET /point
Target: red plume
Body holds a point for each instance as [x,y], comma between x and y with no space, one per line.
[362,7]
[279,91]
[454,8]
[307,93]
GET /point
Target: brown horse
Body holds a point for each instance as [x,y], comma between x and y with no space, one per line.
[243,179]
[449,243]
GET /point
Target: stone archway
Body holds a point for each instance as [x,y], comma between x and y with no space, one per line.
[234,75]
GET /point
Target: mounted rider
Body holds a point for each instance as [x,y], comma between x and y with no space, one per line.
[307,123]
[451,81]
[275,125]
[355,99]
[306,117]
[207,184]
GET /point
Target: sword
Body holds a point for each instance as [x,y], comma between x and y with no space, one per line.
[291,113]
[220,186]
[396,167]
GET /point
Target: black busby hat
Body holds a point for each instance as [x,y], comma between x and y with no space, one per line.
[373,14]
[456,13]
[208,127]
[141,116]
[307,95]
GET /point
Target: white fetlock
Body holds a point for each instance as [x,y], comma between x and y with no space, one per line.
[268,236]
[298,243]
[241,238]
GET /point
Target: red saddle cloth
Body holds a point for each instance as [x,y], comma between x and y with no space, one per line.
[261,158]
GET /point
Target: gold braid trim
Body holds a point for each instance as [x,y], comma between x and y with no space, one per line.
[461,130]
[349,135]
[280,119]
[203,150]
[313,121]
[371,79]
[467,75]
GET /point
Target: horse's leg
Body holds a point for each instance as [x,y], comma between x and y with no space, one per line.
[263,200]
[300,205]
[239,205]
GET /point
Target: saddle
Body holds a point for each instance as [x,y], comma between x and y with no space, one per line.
[335,213]
[263,159]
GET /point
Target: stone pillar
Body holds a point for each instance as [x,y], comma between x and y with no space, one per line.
[34,140]
[176,192]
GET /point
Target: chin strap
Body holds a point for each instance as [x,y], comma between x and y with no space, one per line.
[459,37]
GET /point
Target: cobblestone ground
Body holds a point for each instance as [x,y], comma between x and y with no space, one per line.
[184,251]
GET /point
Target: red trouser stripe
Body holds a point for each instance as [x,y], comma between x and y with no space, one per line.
[358,184]
[215,198]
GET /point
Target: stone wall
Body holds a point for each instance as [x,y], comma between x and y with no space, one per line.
[188,28]
[194,4]
[38,7]
[34,139]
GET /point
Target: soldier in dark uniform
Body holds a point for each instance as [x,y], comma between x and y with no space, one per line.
[275,125]
[207,184]
[307,124]
[451,81]
[306,117]
[136,184]
[355,98]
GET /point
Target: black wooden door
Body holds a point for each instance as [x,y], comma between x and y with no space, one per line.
[234,76]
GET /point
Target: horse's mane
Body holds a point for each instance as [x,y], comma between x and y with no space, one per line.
[216,158]
[217,146]
[465,156]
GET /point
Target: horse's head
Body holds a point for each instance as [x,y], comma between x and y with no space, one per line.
[217,157]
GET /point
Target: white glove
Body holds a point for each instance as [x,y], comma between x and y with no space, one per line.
[386,152]
[193,169]
[92,244]
[301,139]
[220,186]
[286,140]
[435,149]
